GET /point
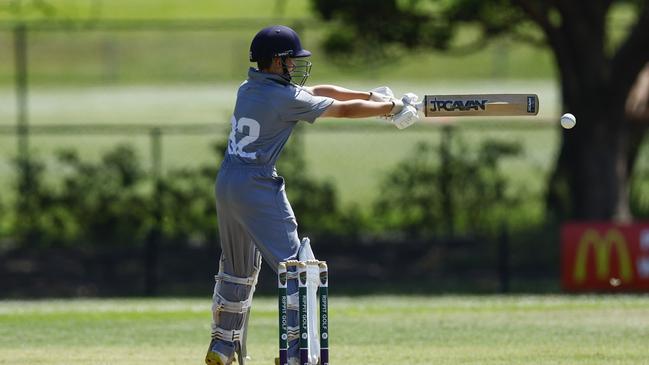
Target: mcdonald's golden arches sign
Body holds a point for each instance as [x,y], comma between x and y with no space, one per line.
[605,257]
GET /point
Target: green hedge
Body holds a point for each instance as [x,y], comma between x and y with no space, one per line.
[455,189]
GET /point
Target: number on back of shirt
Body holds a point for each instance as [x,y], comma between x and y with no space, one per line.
[249,130]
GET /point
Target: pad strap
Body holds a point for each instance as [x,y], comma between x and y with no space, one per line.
[250,281]
[293,333]
[292,301]
[222,304]
[226,335]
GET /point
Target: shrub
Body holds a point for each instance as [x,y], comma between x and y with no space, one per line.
[455,191]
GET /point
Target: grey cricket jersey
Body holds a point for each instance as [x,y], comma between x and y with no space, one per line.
[266,111]
[253,210]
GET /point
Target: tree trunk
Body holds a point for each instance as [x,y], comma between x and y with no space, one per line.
[599,173]
[592,175]
[591,180]
[637,113]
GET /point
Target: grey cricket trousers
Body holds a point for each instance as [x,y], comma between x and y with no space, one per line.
[255,219]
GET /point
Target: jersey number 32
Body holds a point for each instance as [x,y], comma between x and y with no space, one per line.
[248,131]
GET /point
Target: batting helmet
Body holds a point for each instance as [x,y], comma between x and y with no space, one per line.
[276,41]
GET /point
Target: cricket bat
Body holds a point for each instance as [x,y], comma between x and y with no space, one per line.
[480,105]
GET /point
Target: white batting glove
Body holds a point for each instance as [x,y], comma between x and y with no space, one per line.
[396,107]
[381,94]
[406,117]
[410,99]
[407,99]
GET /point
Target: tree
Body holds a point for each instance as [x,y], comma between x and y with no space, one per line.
[593,169]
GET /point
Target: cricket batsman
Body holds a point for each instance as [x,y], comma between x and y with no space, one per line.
[254,216]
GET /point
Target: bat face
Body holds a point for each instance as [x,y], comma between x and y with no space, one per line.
[481,105]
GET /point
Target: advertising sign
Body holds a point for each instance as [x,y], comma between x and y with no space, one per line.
[605,257]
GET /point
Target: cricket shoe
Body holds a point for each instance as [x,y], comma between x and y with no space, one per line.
[215,355]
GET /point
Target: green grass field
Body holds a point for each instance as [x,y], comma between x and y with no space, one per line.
[158,9]
[219,51]
[364,330]
[157,56]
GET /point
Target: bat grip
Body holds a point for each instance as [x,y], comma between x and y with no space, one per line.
[420,108]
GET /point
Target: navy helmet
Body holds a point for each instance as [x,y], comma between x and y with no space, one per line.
[276,41]
[281,41]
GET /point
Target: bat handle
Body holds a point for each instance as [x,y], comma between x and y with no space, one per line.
[420,108]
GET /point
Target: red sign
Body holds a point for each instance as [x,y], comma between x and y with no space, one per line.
[605,257]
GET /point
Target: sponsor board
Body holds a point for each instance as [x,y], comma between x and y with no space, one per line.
[605,257]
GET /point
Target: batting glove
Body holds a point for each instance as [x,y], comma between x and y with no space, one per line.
[407,99]
[381,94]
[406,117]
[410,99]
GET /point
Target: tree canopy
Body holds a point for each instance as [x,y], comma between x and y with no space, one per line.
[593,169]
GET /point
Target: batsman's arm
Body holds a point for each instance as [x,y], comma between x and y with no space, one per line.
[338,93]
[361,109]
[353,104]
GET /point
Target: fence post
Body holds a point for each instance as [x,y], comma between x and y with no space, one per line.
[152,246]
[25,168]
[503,259]
[20,64]
[156,153]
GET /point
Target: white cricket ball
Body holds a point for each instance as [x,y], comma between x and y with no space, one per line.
[568,121]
